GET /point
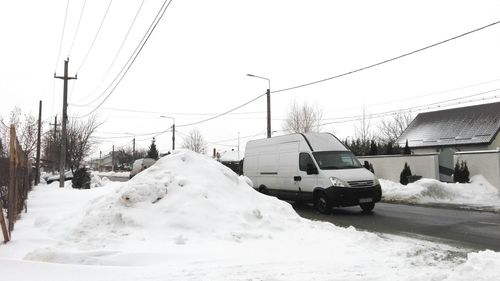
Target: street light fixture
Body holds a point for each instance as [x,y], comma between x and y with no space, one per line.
[268,94]
[173,130]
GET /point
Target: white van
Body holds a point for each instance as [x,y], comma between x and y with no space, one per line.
[140,165]
[310,167]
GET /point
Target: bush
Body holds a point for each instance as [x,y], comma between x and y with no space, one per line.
[81,179]
[403,177]
[461,173]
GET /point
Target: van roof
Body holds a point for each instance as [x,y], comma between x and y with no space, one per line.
[315,141]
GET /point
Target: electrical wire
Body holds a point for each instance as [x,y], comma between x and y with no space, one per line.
[62,35]
[134,56]
[116,56]
[221,114]
[426,105]
[59,52]
[387,60]
[95,36]
[77,28]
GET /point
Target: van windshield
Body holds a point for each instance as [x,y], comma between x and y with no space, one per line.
[332,160]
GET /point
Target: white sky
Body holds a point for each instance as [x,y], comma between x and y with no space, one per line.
[197,59]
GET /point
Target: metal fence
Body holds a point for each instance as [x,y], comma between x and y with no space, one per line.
[15,182]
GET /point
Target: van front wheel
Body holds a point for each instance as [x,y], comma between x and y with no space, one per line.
[322,203]
[367,207]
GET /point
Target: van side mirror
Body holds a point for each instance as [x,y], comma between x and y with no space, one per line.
[311,169]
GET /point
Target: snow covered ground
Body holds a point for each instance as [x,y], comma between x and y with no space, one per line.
[190,218]
[112,174]
[478,194]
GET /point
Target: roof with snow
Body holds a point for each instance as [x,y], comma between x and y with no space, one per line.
[478,124]
[229,156]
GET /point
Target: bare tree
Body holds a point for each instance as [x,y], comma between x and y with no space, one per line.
[195,142]
[391,128]
[79,143]
[362,130]
[303,118]
[26,128]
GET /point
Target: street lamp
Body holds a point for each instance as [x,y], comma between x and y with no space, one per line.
[173,130]
[133,147]
[268,94]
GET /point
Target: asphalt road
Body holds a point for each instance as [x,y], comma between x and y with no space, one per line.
[462,228]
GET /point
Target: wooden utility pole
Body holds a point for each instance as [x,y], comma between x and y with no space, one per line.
[113,159]
[52,151]
[62,162]
[38,145]
[11,207]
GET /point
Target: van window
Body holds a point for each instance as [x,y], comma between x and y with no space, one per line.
[304,160]
[332,160]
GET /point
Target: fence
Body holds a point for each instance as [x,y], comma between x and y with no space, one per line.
[15,183]
[389,167]
[486,163]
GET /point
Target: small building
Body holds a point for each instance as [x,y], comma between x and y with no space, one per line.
[471,128]
[230,158]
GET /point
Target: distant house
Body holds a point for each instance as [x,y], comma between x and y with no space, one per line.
[231,159]
[470,128]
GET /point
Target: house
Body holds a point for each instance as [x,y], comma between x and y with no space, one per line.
[230,158]
[471,128]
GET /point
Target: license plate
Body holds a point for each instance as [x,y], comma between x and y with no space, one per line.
[365,200]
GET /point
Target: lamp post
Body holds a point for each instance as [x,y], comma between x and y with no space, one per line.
[268,94]
[173,130]
[133,148]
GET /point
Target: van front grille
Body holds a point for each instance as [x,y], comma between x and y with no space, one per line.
[368,183]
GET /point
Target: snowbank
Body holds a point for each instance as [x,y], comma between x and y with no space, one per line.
[478,194]
[112,174]
[190,218]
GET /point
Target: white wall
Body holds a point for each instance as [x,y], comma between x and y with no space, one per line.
[486,163]
[389,167]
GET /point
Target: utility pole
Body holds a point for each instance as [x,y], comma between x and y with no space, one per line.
[62,162]
[133,149]
[100,161]
[113,159]
[173,136]
[268,94]
[52,146]
[38,145]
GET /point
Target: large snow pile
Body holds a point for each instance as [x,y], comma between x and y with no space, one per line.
[190,218]
[478,194]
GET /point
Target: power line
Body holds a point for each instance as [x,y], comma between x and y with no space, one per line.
[221,114]
[135,54]
[165,113]
[420,106]
[387,60]
[62,36]
[415,109]
[77,28]
[95,36]
[116,56]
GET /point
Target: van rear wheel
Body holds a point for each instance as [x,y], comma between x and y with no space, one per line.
[322,204]
[367,207]
[263,190]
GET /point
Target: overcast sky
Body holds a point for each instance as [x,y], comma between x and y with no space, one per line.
[196,60]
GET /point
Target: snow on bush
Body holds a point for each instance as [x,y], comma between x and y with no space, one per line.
[477,193]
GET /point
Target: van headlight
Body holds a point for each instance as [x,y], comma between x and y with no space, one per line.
[338,182]
[375,180]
